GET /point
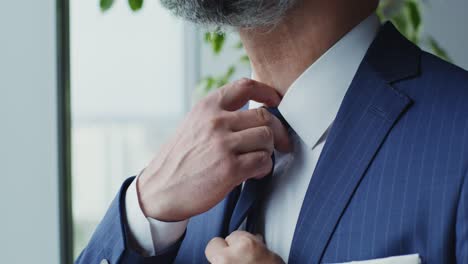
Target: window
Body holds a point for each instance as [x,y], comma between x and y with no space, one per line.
[129,73]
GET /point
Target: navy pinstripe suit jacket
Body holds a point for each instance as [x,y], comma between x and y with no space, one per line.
[391,179]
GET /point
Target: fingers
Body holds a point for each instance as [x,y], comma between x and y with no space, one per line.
[254,165]
[238,247]
[241,120]
[253,139]
[241,241]
[238,235]
[237,94]
[214,247]
[259,238]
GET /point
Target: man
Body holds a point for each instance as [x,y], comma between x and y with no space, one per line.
[365,156]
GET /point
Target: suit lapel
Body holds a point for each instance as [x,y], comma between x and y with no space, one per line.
[368,112]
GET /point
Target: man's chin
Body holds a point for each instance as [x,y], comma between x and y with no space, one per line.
[230,14]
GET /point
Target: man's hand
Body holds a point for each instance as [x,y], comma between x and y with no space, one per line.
[215,149]
[240,248]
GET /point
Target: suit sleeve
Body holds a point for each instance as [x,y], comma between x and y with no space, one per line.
[149,236]
[462,223]
[110,239]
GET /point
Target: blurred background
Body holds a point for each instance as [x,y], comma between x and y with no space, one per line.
[91,89]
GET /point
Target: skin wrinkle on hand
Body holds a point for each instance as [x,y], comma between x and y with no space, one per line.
[174,186]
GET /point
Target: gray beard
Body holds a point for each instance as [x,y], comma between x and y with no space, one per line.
[230,13]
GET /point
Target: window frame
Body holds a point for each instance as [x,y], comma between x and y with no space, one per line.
[191,78]
[64,131]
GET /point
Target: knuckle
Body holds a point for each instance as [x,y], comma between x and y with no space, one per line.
[203,103]
[245,82]
[235,118]
[218,96]
[244,85]
[264,158]
[220,93]
[266,133]
[234,235]
[267,164]
[267,168]
[216,123]
[263,116]
[246,243]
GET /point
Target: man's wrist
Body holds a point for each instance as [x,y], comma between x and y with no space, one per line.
[153,205]
[140,237]
[149,235]
[164,233]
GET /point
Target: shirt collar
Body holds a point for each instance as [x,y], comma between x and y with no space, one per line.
[312,102]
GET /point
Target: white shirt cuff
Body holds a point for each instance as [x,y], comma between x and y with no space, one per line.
[147,234]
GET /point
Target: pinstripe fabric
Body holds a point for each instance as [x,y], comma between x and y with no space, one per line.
[391,179]
[412,198]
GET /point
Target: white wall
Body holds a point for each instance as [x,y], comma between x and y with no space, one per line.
[29,222]
[447,21]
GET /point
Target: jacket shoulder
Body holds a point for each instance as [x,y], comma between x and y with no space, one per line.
[443,73]
[438,80]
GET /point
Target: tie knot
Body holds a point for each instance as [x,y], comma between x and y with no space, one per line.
[274,111]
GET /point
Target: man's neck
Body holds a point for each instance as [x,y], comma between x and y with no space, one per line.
[279,55]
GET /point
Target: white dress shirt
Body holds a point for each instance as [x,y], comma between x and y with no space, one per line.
[309,106]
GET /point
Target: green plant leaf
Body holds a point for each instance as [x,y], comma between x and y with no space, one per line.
[239,45]
[218,43]
[209,83]
[437,49]
[135,5]
[389,8]
[380,13]
[216,39]
[105,4]
[401,23]
[227,76]
[244,59]
[207,37]
[205,84]
[414,15]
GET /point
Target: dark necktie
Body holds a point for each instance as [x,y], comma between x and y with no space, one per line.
[252,191]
